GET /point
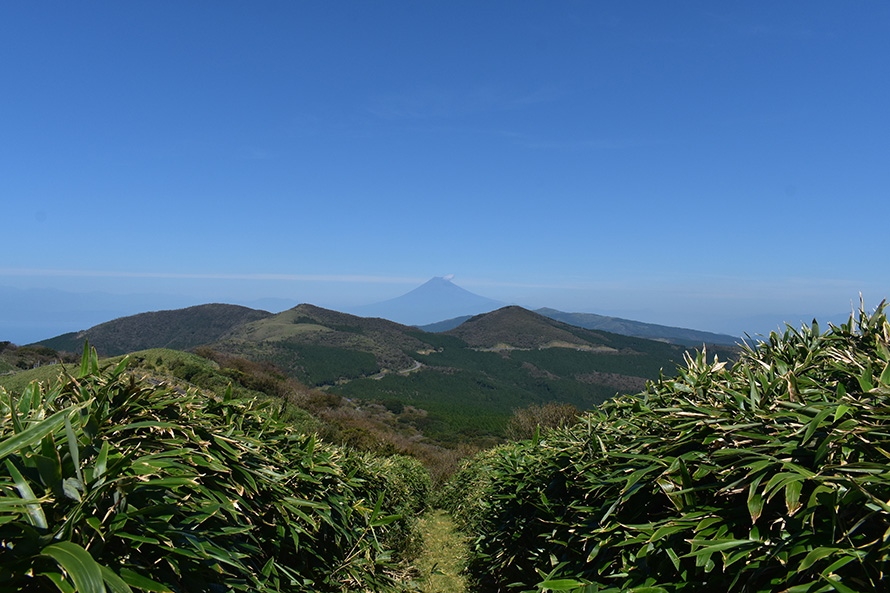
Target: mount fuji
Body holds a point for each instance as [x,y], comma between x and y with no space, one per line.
[435,300]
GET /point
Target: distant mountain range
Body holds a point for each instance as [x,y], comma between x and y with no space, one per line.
[435,300]
[438,299]
[28,315]
[651,331]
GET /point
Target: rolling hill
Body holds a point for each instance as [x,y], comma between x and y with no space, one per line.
[466,381]
[517,328]
[322,347]
[471,378]
[615,325]
[179,329]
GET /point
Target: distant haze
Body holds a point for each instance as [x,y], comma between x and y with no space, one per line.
[435,300]
[30,315]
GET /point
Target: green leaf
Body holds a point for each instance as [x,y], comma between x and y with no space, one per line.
[841,409]
[79,564]
[755,500]
[560,584]
[721,545]
[101,462]
[885,376]
[121,366]
[85,360]
[838,564]
[35,432]
[840,587]
[816,555]
[792,496]
[72,487]
[841,392]
[50,470]
[814,425]
[35,511]
[385,520]
[675,560]
[59,581]
[804,588]
[95,362]
[114,583]
[73,448]
[134,579]
[865,379]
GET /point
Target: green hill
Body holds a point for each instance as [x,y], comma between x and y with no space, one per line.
[464,383]
[180,329]
[471,378]
[322,347]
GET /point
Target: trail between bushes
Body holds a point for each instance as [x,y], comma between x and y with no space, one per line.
[444,554]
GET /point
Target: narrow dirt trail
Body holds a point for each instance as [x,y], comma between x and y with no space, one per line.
[444,555]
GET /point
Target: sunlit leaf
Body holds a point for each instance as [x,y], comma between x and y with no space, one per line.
[79,564]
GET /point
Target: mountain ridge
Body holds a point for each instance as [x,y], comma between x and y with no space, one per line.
[640,329]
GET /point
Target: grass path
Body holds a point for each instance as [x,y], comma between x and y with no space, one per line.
[444,555]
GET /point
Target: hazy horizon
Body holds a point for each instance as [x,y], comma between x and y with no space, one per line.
[46,315]
[716,167]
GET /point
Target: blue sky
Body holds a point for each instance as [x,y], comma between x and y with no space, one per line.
[711,165]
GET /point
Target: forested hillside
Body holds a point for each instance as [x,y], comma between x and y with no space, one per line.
[460,386]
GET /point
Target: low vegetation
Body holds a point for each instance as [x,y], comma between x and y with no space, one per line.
[769,475]
[112,483]
[217,471]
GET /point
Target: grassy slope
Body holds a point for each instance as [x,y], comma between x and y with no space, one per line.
[319,346]
[158,359]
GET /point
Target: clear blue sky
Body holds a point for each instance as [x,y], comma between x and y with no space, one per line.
[693,163]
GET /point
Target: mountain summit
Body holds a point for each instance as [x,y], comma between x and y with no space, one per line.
[437,299]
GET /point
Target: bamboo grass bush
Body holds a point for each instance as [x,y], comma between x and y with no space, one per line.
[405,485]
[112,484]
[772,475]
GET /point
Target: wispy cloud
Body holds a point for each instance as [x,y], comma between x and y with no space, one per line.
[343,278]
